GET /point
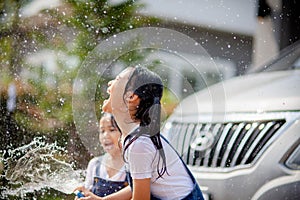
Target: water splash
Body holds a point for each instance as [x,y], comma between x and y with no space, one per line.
[38,166]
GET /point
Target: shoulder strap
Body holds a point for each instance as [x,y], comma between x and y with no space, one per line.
[98,166]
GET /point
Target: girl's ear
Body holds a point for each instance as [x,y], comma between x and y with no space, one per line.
[134,99]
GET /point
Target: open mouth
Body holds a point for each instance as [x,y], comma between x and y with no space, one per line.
[105,101]
[108,145]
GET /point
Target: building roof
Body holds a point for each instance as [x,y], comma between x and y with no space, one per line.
[238,16]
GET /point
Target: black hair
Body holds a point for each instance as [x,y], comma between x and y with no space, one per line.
[148,86]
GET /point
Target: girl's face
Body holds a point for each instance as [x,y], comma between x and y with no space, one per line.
[109,135]
[115,103]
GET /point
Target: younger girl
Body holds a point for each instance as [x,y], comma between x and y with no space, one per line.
[106,174]
[156,170]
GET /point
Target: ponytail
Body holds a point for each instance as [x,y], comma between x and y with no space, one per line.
[154,131]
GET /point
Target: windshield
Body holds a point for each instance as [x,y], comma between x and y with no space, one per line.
[288,59]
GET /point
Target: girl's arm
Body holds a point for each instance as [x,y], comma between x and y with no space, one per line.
[124,194]
[141,189]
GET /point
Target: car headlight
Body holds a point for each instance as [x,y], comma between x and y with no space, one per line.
[293,161]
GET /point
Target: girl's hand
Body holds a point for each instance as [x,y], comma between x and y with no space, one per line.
[79,188]
[88,195]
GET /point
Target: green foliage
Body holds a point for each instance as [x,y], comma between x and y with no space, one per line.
[72,30]
[96,20]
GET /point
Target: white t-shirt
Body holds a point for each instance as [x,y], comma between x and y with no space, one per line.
[142,159]
[91,172]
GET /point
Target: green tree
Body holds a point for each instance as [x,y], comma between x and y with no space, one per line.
[96,20]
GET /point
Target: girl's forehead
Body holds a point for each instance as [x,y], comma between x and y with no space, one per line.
[105,119]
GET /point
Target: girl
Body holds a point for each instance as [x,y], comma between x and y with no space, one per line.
[156,170]
[106,174]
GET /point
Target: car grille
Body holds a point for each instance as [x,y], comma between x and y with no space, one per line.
[223,145]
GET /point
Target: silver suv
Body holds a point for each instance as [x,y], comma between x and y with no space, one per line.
[241,138]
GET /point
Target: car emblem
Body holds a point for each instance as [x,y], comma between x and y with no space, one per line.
[202,141]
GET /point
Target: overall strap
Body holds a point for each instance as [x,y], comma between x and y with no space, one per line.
[128,175]
[185,166]
[98,166]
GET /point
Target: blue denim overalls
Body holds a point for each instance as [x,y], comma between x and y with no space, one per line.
[102,187]
[195,194]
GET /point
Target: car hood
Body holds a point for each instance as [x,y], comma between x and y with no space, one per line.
[262,92]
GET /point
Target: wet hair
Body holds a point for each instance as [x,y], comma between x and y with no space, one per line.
[148,86]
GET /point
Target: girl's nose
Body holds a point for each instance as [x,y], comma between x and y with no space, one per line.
[109,86]
[110,82]
[105,133]
[108,90]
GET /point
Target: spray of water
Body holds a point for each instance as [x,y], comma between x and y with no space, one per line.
[37,166]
